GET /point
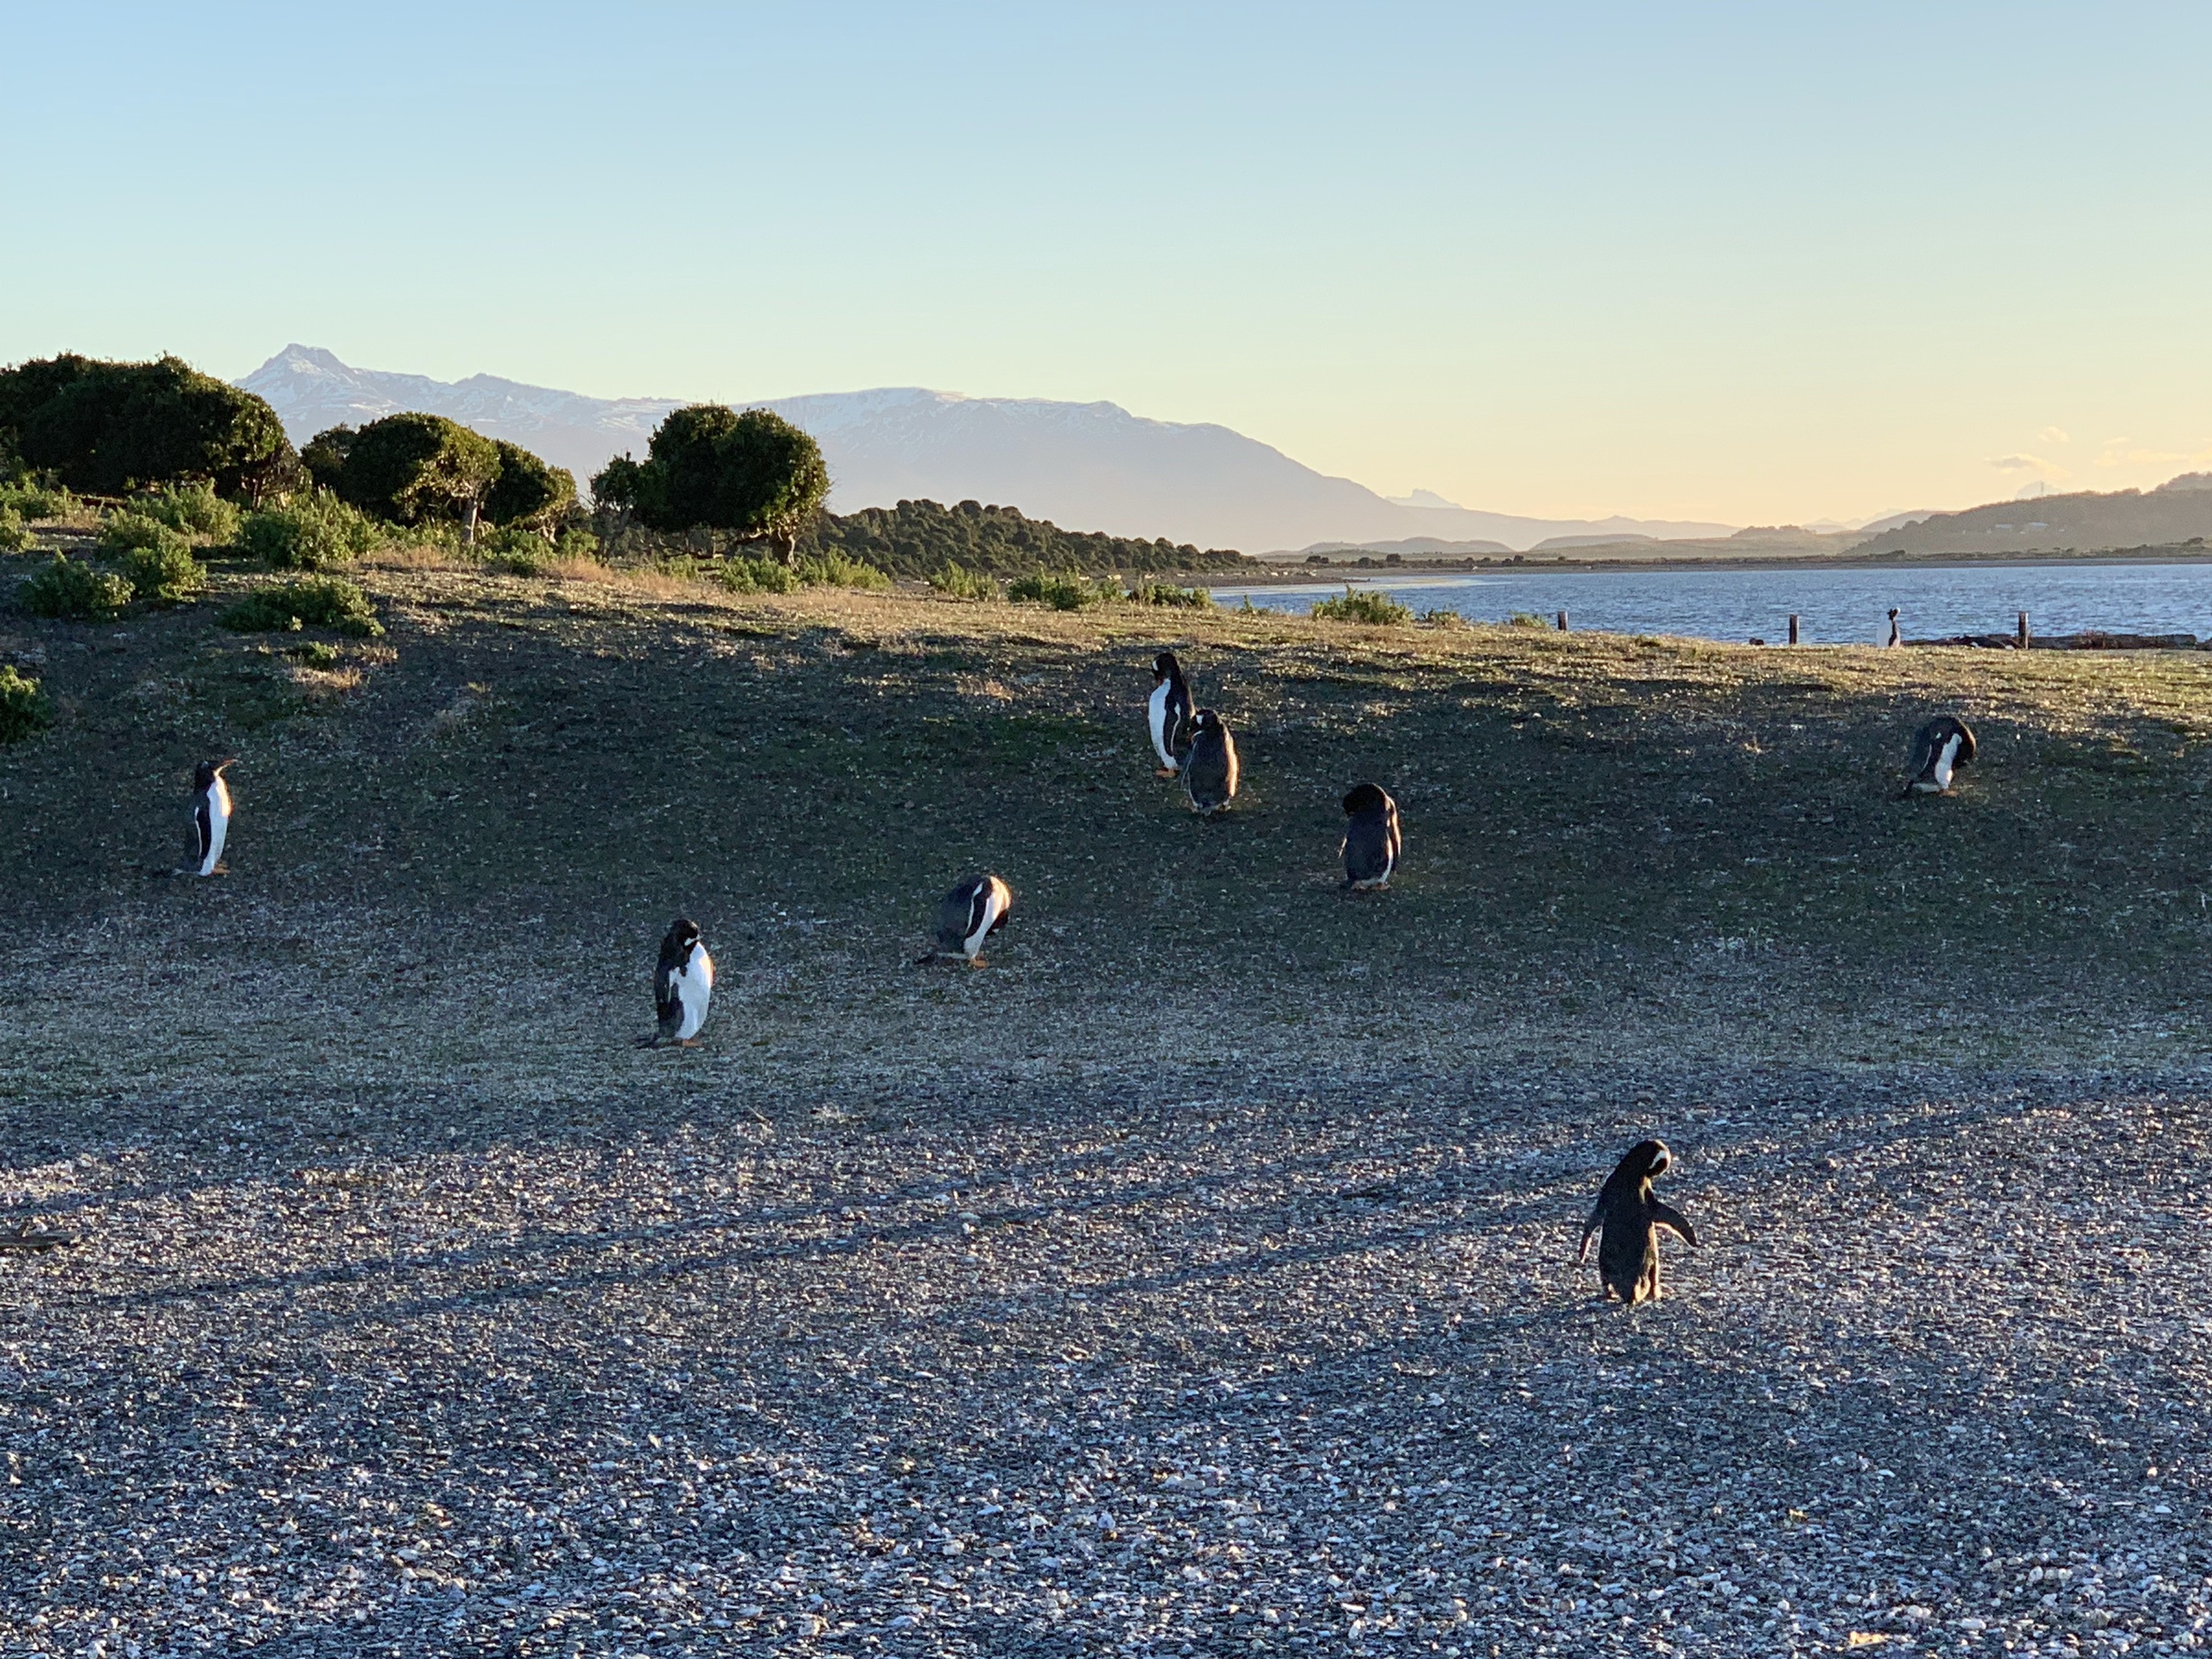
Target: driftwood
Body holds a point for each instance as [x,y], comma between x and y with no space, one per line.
[22,1238]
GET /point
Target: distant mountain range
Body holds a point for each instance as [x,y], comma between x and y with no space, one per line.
[2178,511]
[1091,467]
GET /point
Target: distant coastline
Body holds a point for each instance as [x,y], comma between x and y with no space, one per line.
[1277,570]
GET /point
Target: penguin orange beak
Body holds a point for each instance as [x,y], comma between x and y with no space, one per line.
[222,766]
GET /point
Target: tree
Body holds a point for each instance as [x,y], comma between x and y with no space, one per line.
[111,426]
[413,467]
[324,456]
[753,474]
[618,485]
[528,491]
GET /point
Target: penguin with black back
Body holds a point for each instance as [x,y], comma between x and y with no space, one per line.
[1210,770]
[1938,749]
[966,916]
[1371,839]
[1896,638]
[1167,711]
[1628,1250]
[211,815]
[683,982]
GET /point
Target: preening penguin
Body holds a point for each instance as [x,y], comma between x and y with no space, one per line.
[966,916]
[682,983]
[1938,749]
[1209,769]
[1168,711]
[1628,1250]
[210,813]
[1371,839]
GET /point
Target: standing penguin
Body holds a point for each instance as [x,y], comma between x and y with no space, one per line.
[1627,1251]
[210,813]
[966,916]
[682,983]
[1209,771]
[1939,748]
[1167,710]
[1896,638]
[1371,840]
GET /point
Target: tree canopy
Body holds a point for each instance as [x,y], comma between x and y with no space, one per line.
[528,491]
[917,537]
[753,473]
[109,427]
[413,467]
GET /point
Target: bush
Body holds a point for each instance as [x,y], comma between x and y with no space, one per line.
[14,537]
[164,573]
[1446,619]
[106,426]
[1050,587]
[742,575]
[193,509]
[753,474]
[36,501]
[1377,610]
[963,583]
[834,569]
[1161,593]
[74,592]
[316,602]
[1526,620]
[127,532]
[24,711]
[314,531]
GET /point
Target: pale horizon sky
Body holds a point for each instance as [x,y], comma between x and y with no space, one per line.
[1749,262]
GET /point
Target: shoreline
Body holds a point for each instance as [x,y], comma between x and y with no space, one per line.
[1332,574]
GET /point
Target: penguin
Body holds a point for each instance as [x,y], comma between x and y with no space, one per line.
[1627,1251]
[211,814]
[1168,711]
[1895,638]
[966,916]
[1371,839]
[1939,748]
[681,984]
[1209,769]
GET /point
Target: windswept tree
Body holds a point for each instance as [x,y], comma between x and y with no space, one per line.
[530,491]
[415,467]
[324,456]
[109,427]
[753,474]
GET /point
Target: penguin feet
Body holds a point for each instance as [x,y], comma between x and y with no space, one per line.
[978,961]
[1166,772]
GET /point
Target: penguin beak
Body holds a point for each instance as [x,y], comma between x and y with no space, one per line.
[225,765]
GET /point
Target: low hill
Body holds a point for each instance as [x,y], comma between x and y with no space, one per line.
[916,538]
[2176,512]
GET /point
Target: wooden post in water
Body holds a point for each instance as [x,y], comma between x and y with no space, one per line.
[2024,635]
[1562,621]
[1793,627]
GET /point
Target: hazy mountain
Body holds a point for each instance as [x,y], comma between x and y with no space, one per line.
[2178,511]
[1083,466]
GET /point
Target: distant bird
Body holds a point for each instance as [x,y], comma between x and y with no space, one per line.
[210,813]
[682,983]
[1628,1250]
[1209,771]
[1168,711]
[1939,748]
[1896,638]
[1371,839]
[966,916]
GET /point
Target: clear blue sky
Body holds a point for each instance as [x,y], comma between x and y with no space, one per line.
[1757,262]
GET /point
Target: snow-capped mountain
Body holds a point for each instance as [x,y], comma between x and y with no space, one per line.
[1082,465]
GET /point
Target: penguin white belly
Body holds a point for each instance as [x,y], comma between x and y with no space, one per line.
[991,908]
[219,825]
[1944,759]
[694,986]
[1156,713]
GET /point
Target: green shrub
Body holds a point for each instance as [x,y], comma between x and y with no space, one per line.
[36,501]
[193,509]
[1526,620]
[14,537]
[1446,619]
[1061,592]
[1377,610]
[126,532]
[314,602]
[743,576]
[71,591]
[314,531]
[960,582]
[834,569]
[1162,593]
[164,573]
[24,711]
[575,543]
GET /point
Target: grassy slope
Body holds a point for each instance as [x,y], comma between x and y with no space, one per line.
[455,852]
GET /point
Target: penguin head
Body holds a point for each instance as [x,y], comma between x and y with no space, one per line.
[683,932]
[204,775]
[1204,721]
[1653,1158]
[1165,667]
[1363,799]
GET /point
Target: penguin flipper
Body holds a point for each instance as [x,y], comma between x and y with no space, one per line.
[1673,1221]
[1589,1230]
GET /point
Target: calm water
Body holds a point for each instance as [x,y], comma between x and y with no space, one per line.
[1834,606]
